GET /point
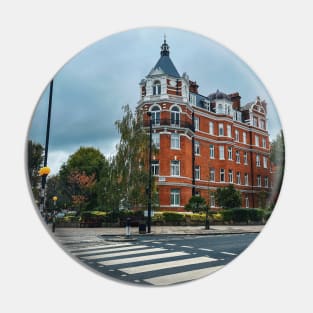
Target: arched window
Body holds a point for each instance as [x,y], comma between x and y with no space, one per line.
[155,115]
[175,116]
[156,88]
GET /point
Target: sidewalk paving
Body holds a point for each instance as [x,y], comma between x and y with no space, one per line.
[158,231]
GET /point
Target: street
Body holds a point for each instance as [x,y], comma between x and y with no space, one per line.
[159,259]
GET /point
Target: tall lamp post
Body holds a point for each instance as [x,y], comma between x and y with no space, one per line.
[45,170]
[150,174]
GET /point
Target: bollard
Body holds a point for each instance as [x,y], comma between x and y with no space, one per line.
[128,227]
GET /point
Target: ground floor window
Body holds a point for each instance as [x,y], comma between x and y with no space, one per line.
[212,200]
[247,202]
[175,197]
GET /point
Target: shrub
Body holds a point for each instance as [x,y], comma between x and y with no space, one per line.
[197,217]
[255,215]
[217,217]
[173,217]
[227,215]
[240,215]
[158,217]
[267,215]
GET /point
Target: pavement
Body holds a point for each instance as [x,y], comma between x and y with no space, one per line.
[92,234]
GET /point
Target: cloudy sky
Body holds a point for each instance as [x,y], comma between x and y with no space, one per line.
[90,89]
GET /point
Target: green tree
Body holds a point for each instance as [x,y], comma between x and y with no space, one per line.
[228,197]
[132,164]
[277,158]
[198,204]
[34,162]
[79,177]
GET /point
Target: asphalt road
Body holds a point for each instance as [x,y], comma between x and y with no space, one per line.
[161,260]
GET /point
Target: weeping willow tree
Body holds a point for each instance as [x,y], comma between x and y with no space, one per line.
[132,160]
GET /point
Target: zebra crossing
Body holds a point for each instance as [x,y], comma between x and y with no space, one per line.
[148,262]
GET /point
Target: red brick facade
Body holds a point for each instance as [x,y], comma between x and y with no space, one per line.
[204,142]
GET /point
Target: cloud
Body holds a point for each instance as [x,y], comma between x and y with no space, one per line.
[91,88]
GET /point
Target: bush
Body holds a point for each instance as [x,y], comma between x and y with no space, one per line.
[267,214]
[227,215]
[240,215]
[174,217]
[217,217]
[197,217]
[255,215]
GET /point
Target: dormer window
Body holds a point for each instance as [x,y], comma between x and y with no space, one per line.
[156,88]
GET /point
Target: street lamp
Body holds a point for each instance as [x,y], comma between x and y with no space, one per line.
[43,172]
[150,173]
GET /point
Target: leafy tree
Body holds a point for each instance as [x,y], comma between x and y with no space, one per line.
[198,204]
[132,164]
[278,165]
[228,197]
[79,177]
[34,162]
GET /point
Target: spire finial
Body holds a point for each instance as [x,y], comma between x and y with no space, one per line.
[165,49]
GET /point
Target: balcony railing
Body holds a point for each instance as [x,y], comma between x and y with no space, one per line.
[168,122]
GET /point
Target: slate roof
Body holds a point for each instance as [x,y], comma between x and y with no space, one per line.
[166,65]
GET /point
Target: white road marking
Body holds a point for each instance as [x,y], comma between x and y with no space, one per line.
[170,244]
[204,249]
[164,265]
[189,247]
[109,250]
[113,255]
[143,258]
[181,277]
[229,253]
[156,242]
[99,247]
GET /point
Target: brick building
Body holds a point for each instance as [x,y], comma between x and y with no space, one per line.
[204,142]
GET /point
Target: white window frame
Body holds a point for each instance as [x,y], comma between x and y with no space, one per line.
[257,141]
[156,139]
[175,141]
[197,147]
[245,158]
[212,151]
[175,168]
[175,197]
[212,200]
[155,167]
[247,202]
[221,150]
[197,172]
[244,137]
[156,88]
[264,161]
[212,174]
[257,160]
[264,142]
[237,135]
[197,123]
[220,129]
[246,179]
[211,128]
[266,181]
[238,178]
[228,130]
[259,181]
[222,174]
[230,153]
[237,156]
[230,176]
